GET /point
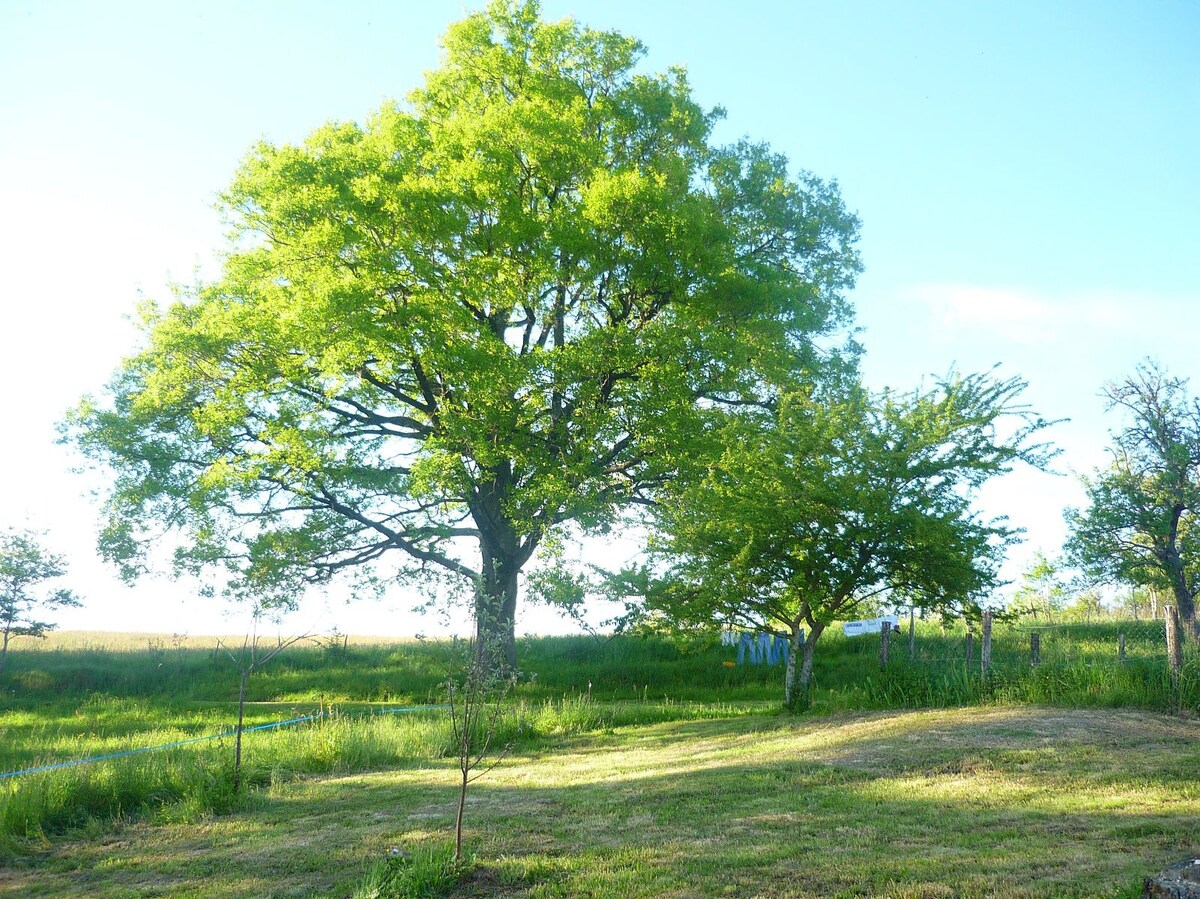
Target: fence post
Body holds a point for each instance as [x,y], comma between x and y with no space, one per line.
[884,639]
[985,645]
[1174,647]
[1035,648]
[970,647]
[1121,647]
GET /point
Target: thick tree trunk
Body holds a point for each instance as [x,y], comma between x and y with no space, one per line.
[496,614]
[1173,562]
[4,652]
[503,550]
[1187,607]
[1184,600]
[800,699]
[791,684]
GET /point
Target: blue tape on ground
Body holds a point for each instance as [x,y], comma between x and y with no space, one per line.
[225,733]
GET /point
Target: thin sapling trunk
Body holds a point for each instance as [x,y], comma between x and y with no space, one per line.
[476,703]
[248,659]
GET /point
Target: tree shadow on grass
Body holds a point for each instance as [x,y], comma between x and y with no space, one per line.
[911,805]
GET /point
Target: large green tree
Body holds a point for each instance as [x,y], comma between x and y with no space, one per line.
[490,311]
[1140,525]
[835,497]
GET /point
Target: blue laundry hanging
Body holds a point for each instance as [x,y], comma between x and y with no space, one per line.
[763,648]
[779,648]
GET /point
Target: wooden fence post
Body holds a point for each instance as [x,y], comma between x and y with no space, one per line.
[1174,646]
[884,639]
[970,647]
[985,645]
[1121,647]
[1035,648]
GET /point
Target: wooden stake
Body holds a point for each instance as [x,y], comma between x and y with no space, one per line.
[985,645]
[884,639]
[1035,648]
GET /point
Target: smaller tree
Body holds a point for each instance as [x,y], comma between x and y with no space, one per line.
[475,699]
[25,567]
[1138,603]
[1086,606]
[1140,526]
[808,512]
[251,656]
[1042,592]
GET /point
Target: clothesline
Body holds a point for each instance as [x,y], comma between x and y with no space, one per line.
[758,647]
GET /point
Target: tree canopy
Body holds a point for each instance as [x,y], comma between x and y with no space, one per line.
[1140,525]
[25,568]
[1041,591]
[837,496]
[492,310]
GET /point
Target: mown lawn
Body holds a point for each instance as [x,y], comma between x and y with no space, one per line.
[973,802]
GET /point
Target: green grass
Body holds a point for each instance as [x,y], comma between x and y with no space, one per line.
[190,782]
[1000,801]
[74,697]
[373,671]
[190,671]
[431,870]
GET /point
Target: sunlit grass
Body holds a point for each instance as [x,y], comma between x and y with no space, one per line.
[1001,801]
[194,780]
[147,694]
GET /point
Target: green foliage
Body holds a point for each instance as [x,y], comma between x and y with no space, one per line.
[25,567]
[1140,526]
[810,508]
[483,314]
[1041,593]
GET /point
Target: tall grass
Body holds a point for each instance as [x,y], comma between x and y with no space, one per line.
[67,701]
[409,672]
[190,782]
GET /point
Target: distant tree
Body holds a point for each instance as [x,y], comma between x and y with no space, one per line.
[810,511]
[490,313]
[1042,593]
[25,567]
[1086,606]
[1138,602]
[1140,525]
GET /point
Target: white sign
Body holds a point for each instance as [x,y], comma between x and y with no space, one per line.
[869,625]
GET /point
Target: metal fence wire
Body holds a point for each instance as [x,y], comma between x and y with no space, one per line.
[1101,662]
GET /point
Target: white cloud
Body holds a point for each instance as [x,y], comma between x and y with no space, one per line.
[1026,316]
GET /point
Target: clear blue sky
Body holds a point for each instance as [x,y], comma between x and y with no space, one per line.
[1026,174]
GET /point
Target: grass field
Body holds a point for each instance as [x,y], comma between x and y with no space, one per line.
[841,791]
[1003,801]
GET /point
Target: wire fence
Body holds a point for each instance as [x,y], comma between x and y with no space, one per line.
[230,732]
[1148,662]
